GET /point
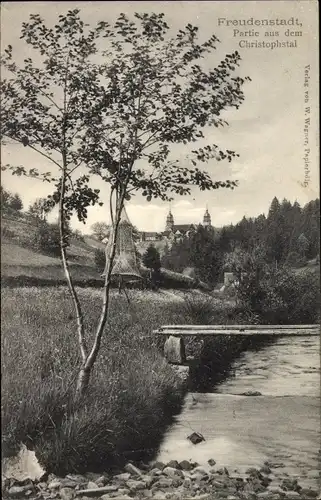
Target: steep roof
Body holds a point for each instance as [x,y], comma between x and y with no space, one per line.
[183,227]
[149,233]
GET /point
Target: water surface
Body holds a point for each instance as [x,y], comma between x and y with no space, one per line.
[281,426]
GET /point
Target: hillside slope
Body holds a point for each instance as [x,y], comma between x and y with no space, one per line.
[22,265]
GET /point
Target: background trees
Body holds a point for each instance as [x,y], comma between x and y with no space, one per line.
[282,235]
[10,201]
[100,230]
[151,259]
[40,208]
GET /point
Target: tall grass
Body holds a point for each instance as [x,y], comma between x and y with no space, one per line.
[133,392]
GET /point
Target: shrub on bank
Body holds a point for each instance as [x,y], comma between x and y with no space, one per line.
[132,396]
[280,296]
[199,308]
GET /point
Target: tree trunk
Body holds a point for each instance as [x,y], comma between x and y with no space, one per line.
[85,372]
[83,380]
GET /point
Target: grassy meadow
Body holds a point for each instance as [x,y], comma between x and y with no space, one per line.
[133,391]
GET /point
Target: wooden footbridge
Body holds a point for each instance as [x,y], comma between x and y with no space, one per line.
[174,348]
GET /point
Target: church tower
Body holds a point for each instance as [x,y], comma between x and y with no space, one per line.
[207,219]
[169,222]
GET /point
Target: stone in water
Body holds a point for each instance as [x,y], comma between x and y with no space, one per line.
[196,437]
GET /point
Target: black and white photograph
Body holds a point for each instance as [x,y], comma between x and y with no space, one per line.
[160,250]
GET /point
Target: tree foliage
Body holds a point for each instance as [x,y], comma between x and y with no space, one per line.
[151,258]
[100,230]
[200,251]
[10,201]
[274,295]
[40,208]
[288,230]
[46,239]
[100,259]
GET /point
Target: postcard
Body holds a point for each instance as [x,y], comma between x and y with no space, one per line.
[160,249]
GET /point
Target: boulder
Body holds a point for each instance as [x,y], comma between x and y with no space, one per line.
[223,471]
[196,437]
[174,350]
[265,469]
[174,464]
[54,485]
[70,483]
[132,469]
[292,495]
[211,462]
[200,470]
[204,496]
[122,477]
[185,465]
[308,493]
[264,494]
[134,485]
[187,483]
[172,472]
[146,493]
[253,472]
[265,481]
[177,482]
[149,480]
[289,484]
[182,371]
[67,493]
[101,480]
[276,490]
[158,465]
[18,491]
[155,472]
[92,486]
[256,485]
[77,478]
[159,495]
[163,482]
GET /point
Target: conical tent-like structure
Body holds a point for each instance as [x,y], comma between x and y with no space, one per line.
[125,265]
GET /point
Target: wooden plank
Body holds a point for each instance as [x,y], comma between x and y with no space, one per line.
[205,333]
[239,327]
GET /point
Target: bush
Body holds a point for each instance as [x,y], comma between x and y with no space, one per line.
[294,259]
[16,203]
[7,233]
[78,235]
[281,297]
[10,202]
[100,259]
[199,308]
[46,239]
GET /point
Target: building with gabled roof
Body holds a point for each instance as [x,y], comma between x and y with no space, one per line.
[174,231]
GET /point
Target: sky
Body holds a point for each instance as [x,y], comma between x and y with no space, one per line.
[267,131]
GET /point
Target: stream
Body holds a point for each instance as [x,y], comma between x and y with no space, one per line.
[282,426]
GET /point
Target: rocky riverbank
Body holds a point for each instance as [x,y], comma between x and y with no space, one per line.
[159,481]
